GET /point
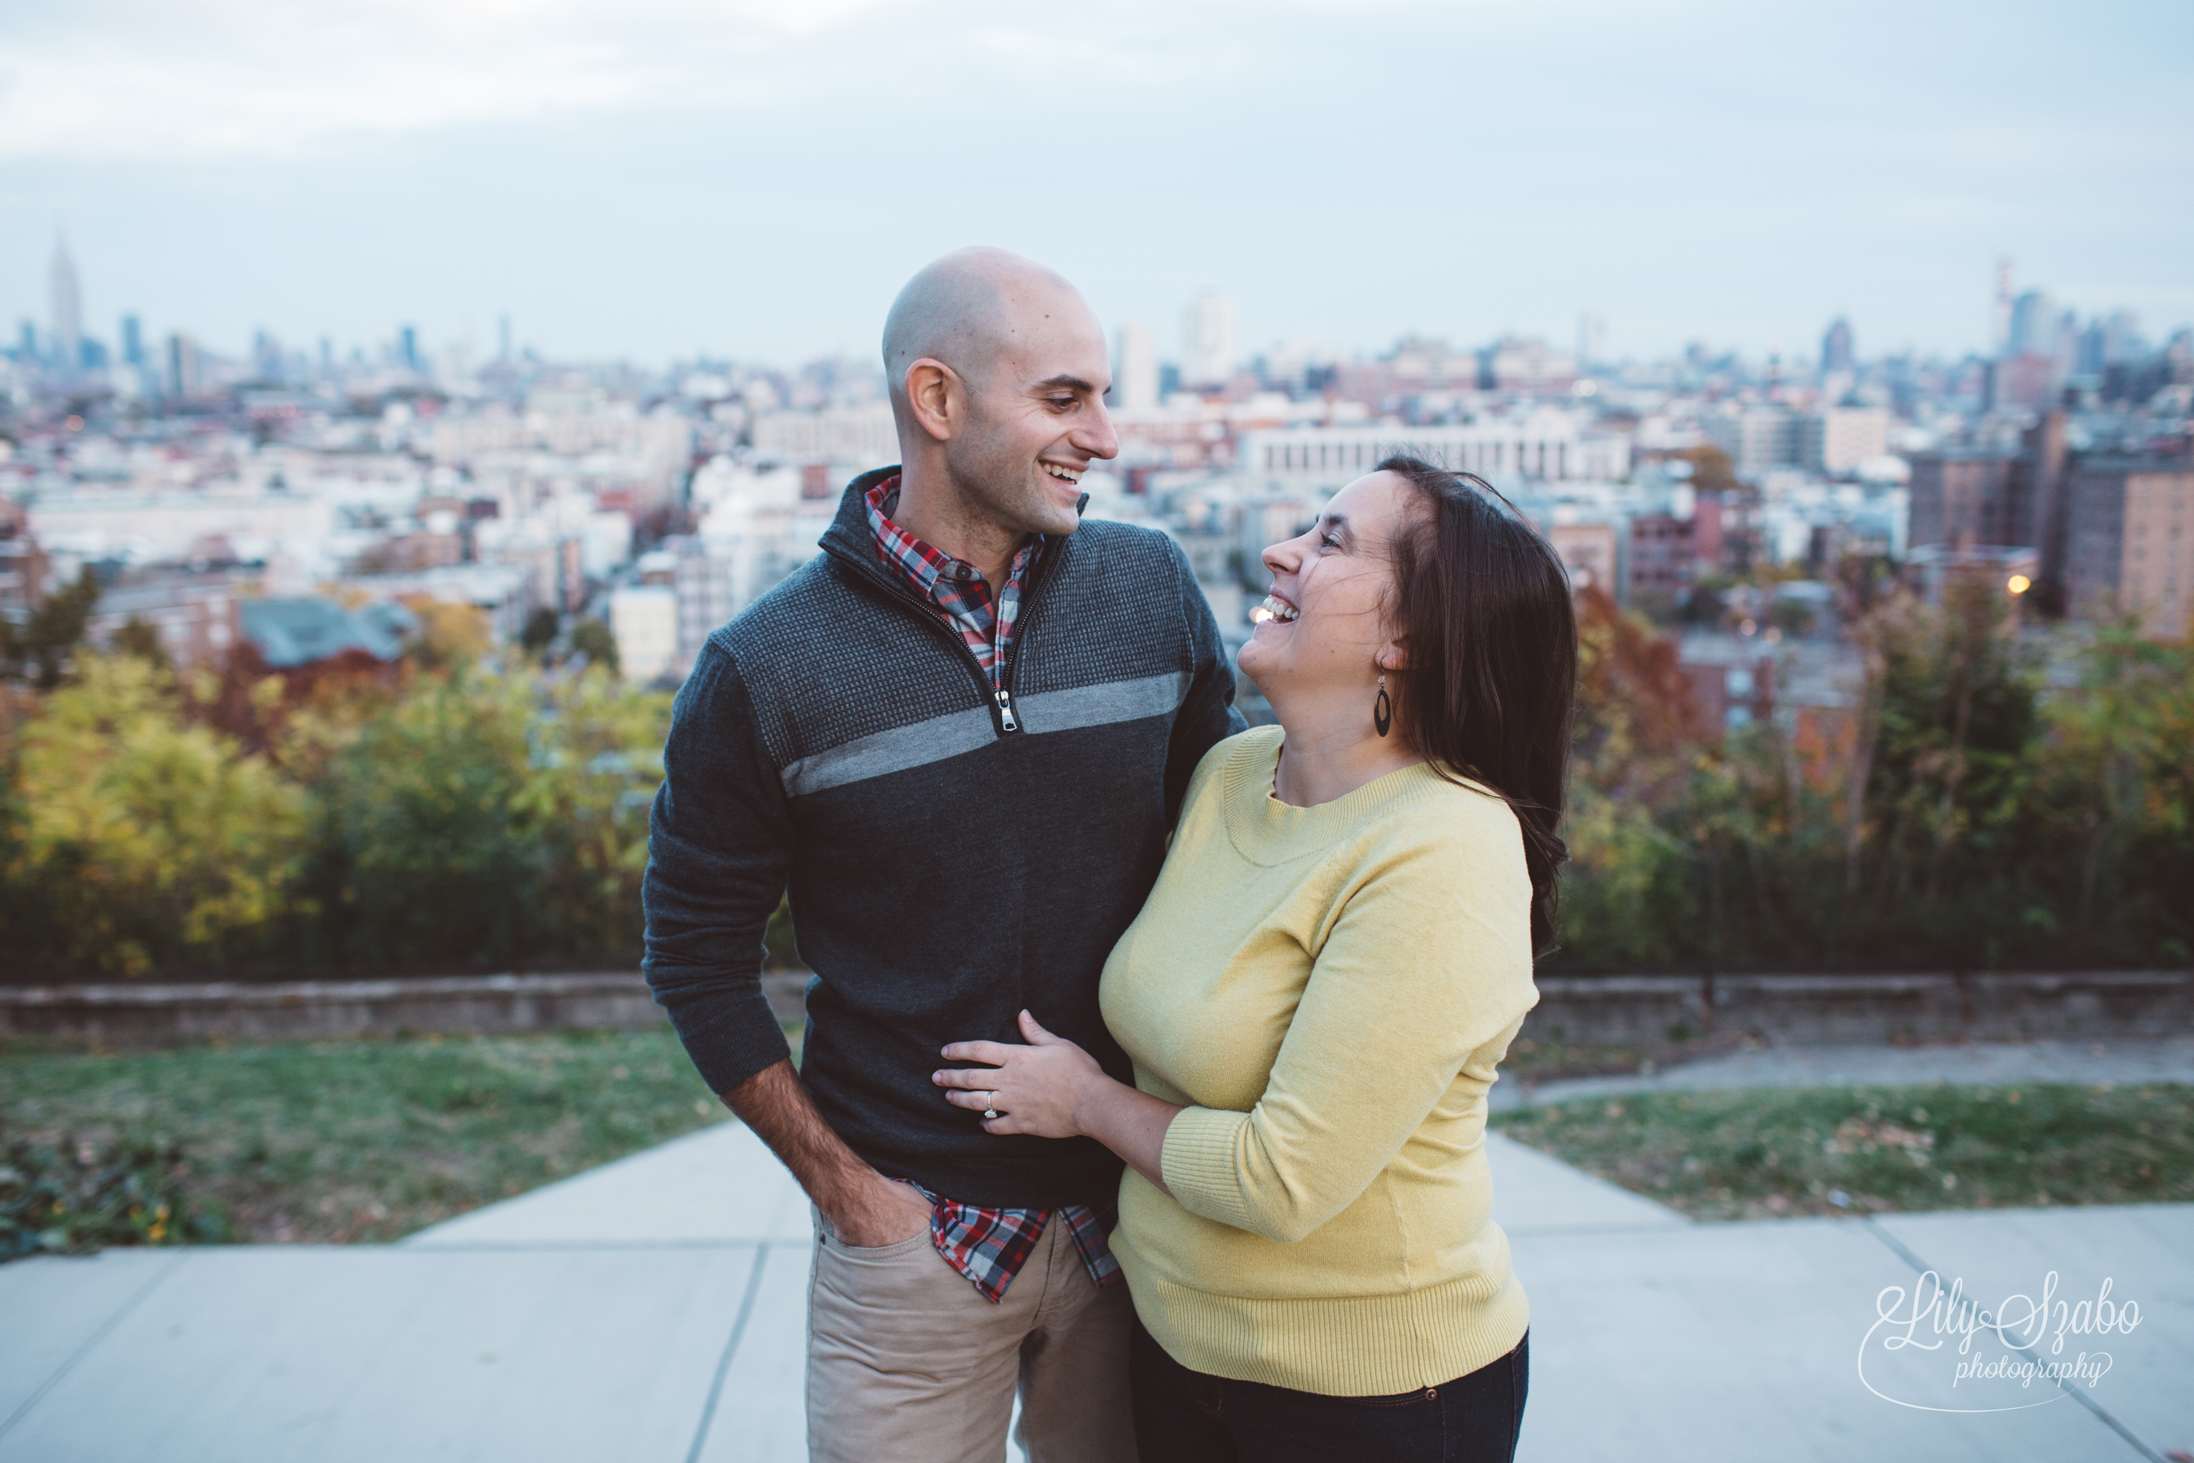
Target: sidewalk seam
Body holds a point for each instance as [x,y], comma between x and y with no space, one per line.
[106,1327]
[731,1348]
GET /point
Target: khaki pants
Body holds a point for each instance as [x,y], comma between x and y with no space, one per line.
[908,1363]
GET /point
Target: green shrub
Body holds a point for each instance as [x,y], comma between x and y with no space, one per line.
[79,1195]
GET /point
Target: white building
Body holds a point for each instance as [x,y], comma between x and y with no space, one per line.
[1546,445]
[1207,340]
[1758,438]
[1842,438]
[1528,368]
[1135,367]
[500,591]
[863,433]
[1799,512]
[569,433]
[180,526]
[756,528]
[643,618]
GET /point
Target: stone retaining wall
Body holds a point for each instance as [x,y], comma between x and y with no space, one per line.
[128,1015]
[1806,1010]
[1833,1010]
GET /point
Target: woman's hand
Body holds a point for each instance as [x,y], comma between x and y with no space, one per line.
[1039,1088]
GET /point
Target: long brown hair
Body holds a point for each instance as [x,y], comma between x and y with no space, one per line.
[1483,605]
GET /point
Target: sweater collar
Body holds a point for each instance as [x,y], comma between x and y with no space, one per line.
[848,534]
[1266,831]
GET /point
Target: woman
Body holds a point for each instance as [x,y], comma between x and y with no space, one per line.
[1316,995]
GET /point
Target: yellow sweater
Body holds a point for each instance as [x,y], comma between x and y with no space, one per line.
[1329,990]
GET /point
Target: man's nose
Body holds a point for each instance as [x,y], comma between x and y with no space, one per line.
[1096,436]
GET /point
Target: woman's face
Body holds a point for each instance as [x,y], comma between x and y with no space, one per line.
[1323,628]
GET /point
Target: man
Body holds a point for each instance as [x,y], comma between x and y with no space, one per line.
[961,734]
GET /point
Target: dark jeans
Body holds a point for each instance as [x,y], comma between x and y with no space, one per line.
[1188,1417]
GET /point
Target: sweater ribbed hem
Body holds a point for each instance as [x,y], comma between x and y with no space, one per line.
[1343,1346]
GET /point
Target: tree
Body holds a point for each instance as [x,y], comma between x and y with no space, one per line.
[593,639]
[1637,723]
[141,638]
[1626,896]
[1710,469]
[449,635]
[488,819]
[540,631]
[147,841]
[2117,784]
[41,649]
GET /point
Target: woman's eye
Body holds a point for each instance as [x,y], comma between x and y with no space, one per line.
[1327,540]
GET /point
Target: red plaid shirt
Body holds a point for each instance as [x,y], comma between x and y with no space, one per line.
[957,588]
[988,1246]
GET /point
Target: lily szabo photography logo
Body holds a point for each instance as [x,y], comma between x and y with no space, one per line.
[1938,1350]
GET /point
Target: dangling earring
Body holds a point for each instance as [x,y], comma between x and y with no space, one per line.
[1382,710]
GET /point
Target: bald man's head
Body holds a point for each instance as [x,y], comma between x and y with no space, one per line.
[998,374]
[969,308]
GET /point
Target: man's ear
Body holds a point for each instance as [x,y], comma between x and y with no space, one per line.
[936,397]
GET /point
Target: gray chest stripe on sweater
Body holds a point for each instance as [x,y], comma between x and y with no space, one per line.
[901,748]
[1102,705]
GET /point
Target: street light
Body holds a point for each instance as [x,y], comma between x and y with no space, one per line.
[2018,584]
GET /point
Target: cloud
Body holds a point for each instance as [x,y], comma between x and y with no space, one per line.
[240,77]
[132,80]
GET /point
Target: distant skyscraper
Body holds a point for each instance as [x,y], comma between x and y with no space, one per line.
[2122,338]
[407,347]
[2088,352]
[1836,347]
[1135,367]
[26,349]
[183,370]
[1999,333]
[2033,326]
[502,336]
[1591,339]
[68,309]
[1207,340]
[133,341]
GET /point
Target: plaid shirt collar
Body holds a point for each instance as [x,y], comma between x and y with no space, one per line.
[955,587]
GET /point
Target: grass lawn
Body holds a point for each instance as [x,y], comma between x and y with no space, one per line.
[358,1140]
[1766,1153]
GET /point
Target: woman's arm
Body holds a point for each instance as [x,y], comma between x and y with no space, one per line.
[1051,1088]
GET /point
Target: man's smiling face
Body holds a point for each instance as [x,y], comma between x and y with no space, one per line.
[1036,413]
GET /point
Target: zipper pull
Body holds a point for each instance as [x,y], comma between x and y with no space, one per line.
[1005,712]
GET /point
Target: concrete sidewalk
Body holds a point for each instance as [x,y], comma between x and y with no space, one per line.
[652,1310]
[2122,1061]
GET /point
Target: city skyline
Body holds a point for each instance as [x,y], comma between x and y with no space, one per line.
[751,182]
[1205,354]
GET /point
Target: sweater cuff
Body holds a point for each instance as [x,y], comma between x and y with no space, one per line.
[731,1036]
[1201,1164]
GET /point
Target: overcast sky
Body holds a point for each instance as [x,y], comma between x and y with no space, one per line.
[756,178]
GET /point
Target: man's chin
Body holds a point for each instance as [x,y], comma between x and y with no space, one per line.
[1057,519]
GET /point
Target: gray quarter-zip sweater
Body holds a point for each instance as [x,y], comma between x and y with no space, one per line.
[953,854]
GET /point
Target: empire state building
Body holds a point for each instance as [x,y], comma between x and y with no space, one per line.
[68,310]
